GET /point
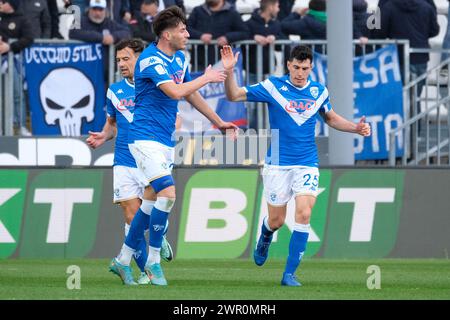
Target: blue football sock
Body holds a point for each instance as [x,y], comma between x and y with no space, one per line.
[297,246]
[137,228]
[158,221]
[140,256]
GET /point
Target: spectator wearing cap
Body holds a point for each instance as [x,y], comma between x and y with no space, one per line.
[310,24]
[118,10]
[142,23]
[97,27]
[36,11]
[14,25]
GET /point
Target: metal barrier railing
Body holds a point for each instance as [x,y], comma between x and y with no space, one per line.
[277,51]
[7,96]
[411,131]
[274,53]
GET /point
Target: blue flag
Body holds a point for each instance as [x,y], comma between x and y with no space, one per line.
[377,90]
[65,88]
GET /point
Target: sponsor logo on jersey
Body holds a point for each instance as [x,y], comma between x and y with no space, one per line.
[299,106]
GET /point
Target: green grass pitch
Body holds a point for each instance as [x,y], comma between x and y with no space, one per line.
[229,279]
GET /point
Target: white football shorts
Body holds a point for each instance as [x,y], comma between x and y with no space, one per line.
[129,183]
[154,159]
[280,183]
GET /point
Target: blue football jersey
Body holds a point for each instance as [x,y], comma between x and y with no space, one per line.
[293,112]
[120,105]
[155,112]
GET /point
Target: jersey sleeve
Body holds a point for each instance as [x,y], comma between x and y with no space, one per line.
[153,68]
[258,92]
[110,109]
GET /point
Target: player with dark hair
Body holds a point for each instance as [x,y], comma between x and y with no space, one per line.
[294,101]
[162,78]
[128,181]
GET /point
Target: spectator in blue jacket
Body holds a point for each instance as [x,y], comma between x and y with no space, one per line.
[309,25]
[214,20]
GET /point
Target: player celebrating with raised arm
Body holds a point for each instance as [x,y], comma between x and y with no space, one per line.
[294,102]
[128,181]
[161,79]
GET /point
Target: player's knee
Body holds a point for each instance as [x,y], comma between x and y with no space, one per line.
[164,203]
[303,215]
[276,223]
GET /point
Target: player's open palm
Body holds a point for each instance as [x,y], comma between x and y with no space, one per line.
[362,127]
[96,139]
[214,75]
[228,59]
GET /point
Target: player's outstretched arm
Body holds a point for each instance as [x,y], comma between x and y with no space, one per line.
[202,106]
[232,90]
[96,139]
[339,123]
[182,90]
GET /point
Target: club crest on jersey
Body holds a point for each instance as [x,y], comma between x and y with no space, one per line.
[273,197]
[179,62]
[178,76]
[314,92]
[299,106]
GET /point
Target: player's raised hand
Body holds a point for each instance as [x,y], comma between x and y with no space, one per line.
[362,127]
[228,59]
[96,139]
[214,75]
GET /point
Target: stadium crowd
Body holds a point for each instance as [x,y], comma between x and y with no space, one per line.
[109,21]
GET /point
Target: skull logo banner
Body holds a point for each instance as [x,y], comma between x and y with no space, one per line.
[66,96]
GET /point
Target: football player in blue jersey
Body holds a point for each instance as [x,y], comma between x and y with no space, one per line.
[161,79]
[291,165]
[129,182]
